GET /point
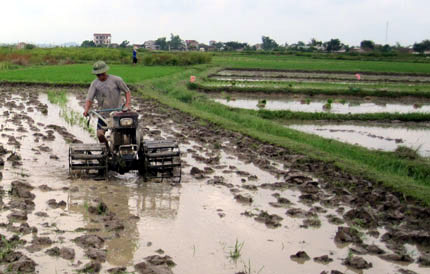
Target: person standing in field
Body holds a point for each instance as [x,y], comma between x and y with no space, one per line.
[106,89]
[134,55]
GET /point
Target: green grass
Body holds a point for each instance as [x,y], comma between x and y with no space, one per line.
[307,63]
[235,251]
[359,89]
[411,177]
[286,115]
[81,73]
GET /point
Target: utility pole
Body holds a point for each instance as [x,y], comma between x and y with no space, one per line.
[386,33]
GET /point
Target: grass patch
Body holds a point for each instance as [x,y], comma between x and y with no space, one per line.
[308,63]
[81,73]
[236,249]
[69,115]
[287,115]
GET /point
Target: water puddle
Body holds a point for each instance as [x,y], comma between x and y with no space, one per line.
[341,105]
[378,137]
[261,75]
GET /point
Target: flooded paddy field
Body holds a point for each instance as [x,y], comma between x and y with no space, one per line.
[318,103]
[305,76]
[242,207]
[377,136]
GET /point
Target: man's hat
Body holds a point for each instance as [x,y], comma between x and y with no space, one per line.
[100,67]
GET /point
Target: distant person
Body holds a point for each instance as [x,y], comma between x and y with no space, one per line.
[134,55]
[106,89]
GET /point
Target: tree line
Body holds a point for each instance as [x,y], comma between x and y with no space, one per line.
[268,44]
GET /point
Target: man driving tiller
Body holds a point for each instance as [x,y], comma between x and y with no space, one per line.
[106,89]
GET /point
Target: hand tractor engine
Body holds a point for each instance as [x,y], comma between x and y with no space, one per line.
[126,151]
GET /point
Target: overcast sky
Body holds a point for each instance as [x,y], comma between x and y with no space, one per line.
[59,21]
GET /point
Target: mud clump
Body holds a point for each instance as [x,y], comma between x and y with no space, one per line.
[347,235]
[117,270]
[405,258]
[21,189]
[324,259]
[160,260]
[424,261]
[53,203]
[68,137]
[64,252]
[270,220]
[219,180]
[246,199]
[22,265]
[87,241]
[41,214]
[333,219]
[363,217]
[15,158]
[23,228]
[45,188]
[17,216]
[311,222]
[91,267]
[155,265]
[300,256]
[404,235]
[96,254]
[3,151]
[357,262]
[280,202]
[297,212]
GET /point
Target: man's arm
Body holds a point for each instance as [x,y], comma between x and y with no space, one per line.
[90,97]
[123,87]
[127,99]
[87,108]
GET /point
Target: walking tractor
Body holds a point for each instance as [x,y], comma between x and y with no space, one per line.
[126,150]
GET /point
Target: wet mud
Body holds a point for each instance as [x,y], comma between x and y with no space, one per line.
[242,204]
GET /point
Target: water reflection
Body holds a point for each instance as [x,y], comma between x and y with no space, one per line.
[342,106]
[379,137]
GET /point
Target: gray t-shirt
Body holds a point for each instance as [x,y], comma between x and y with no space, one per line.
[108,92]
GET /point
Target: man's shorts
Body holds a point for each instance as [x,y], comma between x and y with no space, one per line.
[134,60]
[101,124]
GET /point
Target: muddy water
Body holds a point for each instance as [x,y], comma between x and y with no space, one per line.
[342,105]
[318,76]
[378,137]
[196,223]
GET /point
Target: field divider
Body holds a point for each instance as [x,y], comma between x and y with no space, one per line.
[313,91]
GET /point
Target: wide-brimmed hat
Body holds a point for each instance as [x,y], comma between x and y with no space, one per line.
[100,67]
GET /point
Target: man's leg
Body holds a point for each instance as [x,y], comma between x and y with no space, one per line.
[101,133]
[101,136]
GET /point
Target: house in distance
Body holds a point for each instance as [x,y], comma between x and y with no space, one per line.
[103,39]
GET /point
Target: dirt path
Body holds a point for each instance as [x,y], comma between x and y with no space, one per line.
[285,211]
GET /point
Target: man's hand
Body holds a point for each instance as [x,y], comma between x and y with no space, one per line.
[126,107]
[87,107]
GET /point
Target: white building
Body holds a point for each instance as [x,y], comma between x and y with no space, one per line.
[151,45]
[102,39]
